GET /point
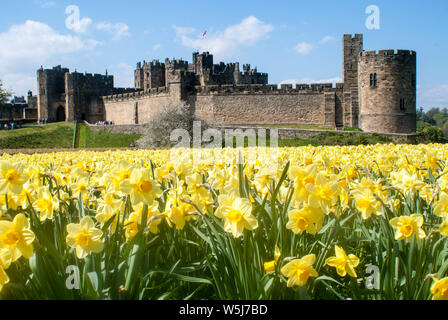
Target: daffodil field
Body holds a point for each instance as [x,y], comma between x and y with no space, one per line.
[352,222]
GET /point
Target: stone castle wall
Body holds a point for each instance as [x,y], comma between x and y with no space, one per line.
[233,105]
[136,108]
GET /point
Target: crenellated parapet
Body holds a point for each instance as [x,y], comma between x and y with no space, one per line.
[389,52]
[268,89]
[136,95]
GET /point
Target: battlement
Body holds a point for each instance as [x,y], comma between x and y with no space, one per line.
[153,63]
[389,52]
[357,36]
[176,64]
[135,94]
[269,88]
[56,69]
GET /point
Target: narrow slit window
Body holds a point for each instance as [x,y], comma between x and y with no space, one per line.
[373,80]
[402,105]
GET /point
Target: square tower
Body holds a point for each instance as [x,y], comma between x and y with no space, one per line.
[352,47]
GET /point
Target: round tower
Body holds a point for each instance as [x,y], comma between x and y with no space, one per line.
[387,91]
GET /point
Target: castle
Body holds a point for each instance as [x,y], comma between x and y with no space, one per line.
[378,93]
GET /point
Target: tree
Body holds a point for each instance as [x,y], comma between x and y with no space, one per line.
[4,98]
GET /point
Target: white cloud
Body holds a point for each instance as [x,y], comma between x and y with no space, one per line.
[433,96]
[118,30]
[123,75]
[25,47]
[82,25]
[182,31]
[310,81]
[157,46]
[326,39]
[224,44]
[47,4]
[304,47]
[20,83]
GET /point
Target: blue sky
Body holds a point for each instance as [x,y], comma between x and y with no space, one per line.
[299,41]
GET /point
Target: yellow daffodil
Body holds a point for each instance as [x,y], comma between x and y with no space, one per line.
[45,204]
[439,289]
[307,219]
[271,265]
[108,206]
[406,182]
[323,193]
[343,263]
[441,206]
[406,226]
[153,219]
[302,176]
[12,177]
[84,237]
[141,187]
[237,214]
[444,228]
[298,271]
[367,203]
[5,261]
[17,237]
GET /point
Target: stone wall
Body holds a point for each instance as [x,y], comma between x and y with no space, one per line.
[136,108]
[261,109]
[252,105]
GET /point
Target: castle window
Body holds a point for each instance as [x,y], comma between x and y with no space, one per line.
[373,79]
[402,105]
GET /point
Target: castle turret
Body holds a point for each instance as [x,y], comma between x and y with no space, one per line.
[352,47]
[176,74]
[387,84]
[139,77]
[203,67]
[51,94]
[237,74]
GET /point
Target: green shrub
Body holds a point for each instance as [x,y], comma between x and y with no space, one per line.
[352,129]
[431,134]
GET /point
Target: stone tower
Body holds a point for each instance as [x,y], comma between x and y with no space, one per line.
[387,85]
[176,73]
[51,94]
[352,47]
[150,75]
[203,67]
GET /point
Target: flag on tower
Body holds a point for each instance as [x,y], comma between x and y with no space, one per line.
[205,33]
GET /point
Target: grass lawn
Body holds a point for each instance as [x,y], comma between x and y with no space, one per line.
[60,135]
[102,139]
